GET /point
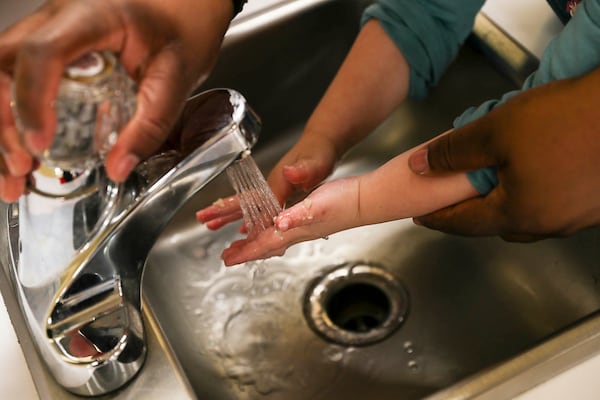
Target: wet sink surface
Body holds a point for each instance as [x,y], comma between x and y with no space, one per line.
[241,332]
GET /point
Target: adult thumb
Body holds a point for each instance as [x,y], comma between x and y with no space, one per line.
[160,99]
[462,149]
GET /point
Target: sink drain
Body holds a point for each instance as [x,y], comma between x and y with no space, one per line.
[356,304]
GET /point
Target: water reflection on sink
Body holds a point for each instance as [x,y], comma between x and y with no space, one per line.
[241,332]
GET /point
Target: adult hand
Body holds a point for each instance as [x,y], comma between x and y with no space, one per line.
[545,143]
[167,47]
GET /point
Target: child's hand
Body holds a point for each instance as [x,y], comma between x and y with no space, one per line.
[303,167]
[220,213]
[329,209]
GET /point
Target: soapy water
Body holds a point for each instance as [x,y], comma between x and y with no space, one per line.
[250,321]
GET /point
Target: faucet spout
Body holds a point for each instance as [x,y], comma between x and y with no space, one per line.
[78,252]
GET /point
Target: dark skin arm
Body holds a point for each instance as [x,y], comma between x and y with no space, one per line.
[546,145]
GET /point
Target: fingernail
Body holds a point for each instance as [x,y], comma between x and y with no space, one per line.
[289,169]
[282,224]
[296,173]
[125,166]
[35,142]
[418,161]
[231,259]
[200,216]
[297,165]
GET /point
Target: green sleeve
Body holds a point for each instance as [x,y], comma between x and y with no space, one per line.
[428,32]
[573,52]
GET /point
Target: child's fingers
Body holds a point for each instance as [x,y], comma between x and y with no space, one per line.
[268,243]
[218,223]
[220,213]
[298,215]
[218,209]
[306,173]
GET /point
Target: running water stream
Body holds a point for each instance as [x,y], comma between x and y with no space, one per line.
[257,201]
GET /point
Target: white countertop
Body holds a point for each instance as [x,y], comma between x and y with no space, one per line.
[533,24]
[15,380]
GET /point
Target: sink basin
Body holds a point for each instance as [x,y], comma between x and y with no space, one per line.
[386,311]
[468,304]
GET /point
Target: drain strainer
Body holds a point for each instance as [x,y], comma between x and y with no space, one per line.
[356,304]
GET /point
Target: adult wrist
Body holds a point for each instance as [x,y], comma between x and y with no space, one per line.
[237,6]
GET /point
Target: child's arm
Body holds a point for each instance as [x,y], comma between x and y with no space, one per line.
[374,78]
[371,82]
[363,93]
[388,193]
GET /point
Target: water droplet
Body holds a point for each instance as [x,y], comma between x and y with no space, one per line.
[334,353]
[409,347]
[413,365]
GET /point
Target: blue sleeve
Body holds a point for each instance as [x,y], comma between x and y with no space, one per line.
[428,32]
[574,52]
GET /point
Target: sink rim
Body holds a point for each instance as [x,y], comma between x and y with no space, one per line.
[563,350]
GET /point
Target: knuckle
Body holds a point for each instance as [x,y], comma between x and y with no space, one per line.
[36,47]
[155,130]
[440,154]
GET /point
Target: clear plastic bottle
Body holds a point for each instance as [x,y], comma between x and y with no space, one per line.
[95,100]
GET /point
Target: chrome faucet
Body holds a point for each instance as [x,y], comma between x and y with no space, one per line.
[79,243]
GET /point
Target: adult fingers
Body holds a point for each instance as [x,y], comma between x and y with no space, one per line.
[11,187]
[160,99]
[13,36]
[463,149]
[18,161]
[74,30]
[480,216]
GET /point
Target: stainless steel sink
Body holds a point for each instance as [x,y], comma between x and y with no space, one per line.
[243,332]
[462,317]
